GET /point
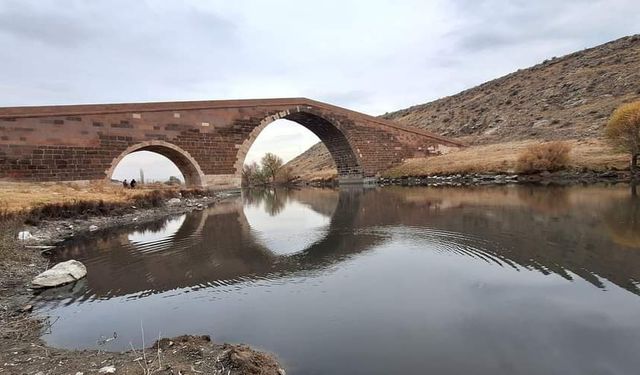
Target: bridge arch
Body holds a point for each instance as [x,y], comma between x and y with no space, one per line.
[188,166]
[344,153]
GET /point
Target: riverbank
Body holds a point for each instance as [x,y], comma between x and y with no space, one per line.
[589,155]
[589,161]
[22,350]
[542,178]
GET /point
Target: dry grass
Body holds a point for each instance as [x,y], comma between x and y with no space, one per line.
[31,203]
[10,224]
[589,154]
[26,196]
[549,156]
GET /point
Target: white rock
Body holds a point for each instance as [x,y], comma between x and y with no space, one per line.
[60,274]
[25,235]
[107,370]
[541,123]
[93,228]
[174,201]
[79,373]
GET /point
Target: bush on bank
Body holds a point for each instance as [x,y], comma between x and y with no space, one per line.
[550,156]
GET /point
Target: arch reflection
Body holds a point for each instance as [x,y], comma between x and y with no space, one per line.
[290,230]
[212,246]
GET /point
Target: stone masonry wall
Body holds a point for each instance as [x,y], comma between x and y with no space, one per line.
[207,140]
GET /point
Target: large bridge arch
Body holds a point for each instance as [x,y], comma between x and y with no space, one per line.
[188,166]
[343,152]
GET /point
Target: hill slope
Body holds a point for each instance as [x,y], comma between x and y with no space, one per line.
[314,164]
[570,97]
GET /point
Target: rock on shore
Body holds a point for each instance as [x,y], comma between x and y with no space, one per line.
[60,274]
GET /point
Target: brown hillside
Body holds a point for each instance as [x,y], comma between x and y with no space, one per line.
[314,164]
[570,97]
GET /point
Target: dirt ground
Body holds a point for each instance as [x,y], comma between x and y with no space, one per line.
[22,351]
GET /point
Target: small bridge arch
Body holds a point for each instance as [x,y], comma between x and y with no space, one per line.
[188,166]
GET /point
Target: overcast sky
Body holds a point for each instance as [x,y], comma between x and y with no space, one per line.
[371,56]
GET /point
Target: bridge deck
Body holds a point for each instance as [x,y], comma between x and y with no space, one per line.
[92,109]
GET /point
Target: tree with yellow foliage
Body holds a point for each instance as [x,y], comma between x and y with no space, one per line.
[623,130]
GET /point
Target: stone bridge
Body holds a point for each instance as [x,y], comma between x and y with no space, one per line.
[207,140]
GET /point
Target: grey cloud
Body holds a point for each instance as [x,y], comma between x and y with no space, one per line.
[25,20]
[493,24]
[350,98]
[71,51]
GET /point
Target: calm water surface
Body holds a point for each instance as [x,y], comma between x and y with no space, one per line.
[492,280]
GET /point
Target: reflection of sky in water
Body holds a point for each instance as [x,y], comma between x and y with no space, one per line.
[289,231]
[170,228]
[404,305]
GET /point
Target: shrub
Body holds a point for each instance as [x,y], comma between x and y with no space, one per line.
[550,156]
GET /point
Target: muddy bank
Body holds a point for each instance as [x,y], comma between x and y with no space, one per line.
[178,355]
[23,352]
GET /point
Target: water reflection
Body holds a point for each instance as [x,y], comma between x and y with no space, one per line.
[623,222]
[286,232]
[384,280]
[158,232]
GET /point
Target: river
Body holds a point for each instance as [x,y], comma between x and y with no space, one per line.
[481,280]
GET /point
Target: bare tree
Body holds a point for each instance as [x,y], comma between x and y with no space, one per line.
[250,174]
[623,130]
[271,164]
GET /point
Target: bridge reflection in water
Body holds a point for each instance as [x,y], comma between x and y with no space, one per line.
[397,254]
[591,233]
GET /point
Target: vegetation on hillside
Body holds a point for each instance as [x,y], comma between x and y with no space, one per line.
[568,98]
